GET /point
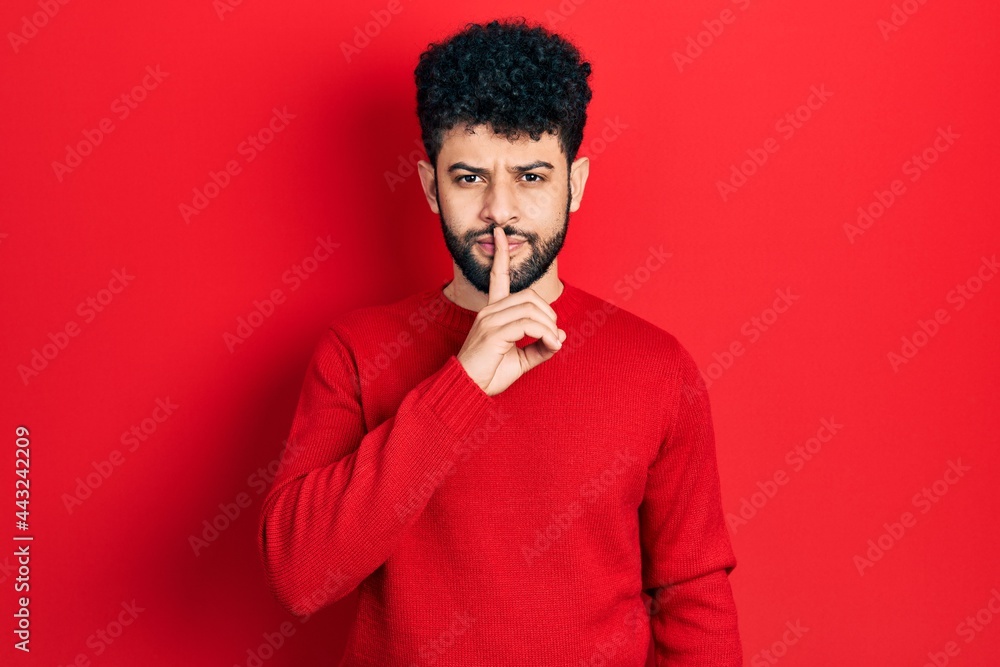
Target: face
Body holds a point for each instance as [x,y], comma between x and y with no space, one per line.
[526,188]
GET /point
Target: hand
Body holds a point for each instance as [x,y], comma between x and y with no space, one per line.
[489,354]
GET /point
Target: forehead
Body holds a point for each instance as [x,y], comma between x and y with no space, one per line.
[479,144]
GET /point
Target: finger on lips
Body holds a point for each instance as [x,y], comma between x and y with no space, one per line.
[500,278]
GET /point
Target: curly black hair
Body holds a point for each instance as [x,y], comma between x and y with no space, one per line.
[509,75]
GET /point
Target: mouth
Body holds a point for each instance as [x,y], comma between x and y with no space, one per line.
[488,248]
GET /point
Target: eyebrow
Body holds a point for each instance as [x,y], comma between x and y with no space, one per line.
[518,169]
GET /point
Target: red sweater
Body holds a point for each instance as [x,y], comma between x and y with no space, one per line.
[518,529]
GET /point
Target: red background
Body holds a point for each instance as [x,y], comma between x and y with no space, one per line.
[654,182]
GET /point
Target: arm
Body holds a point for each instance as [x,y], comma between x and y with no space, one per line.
[333,513]
[687,554]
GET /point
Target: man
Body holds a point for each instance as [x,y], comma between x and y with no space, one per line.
[503,465]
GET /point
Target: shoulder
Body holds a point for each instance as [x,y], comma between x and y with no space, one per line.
[648,340]
[656,366]
[375,322]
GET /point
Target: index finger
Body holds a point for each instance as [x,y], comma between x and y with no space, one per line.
[500,273]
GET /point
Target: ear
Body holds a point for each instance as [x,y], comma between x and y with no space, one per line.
[578,174]
[427,178]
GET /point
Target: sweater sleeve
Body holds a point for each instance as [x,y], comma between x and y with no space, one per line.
[686,552]
[342,498]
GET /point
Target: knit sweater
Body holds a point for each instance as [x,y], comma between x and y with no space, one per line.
[518,529]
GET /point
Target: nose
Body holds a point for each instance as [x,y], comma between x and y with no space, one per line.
[500,204]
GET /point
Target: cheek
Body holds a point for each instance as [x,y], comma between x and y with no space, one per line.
[544,204]
[461,212]
[456,197]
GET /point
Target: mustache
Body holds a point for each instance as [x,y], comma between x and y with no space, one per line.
[473,237]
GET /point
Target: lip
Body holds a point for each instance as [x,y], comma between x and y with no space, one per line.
[488,239]
[487,248]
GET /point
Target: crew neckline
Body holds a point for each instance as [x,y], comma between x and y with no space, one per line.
[449,314]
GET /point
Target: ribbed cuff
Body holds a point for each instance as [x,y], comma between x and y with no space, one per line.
[456,399]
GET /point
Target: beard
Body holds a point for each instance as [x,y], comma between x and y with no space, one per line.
[524,274]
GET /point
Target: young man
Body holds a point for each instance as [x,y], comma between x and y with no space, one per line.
[504,464]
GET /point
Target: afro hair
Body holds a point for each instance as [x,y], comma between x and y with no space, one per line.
[511,76]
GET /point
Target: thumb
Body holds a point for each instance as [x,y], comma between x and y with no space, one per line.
[536,353]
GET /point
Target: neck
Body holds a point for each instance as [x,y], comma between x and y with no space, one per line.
[461,292]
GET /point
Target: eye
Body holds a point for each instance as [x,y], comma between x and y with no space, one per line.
[534,178]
